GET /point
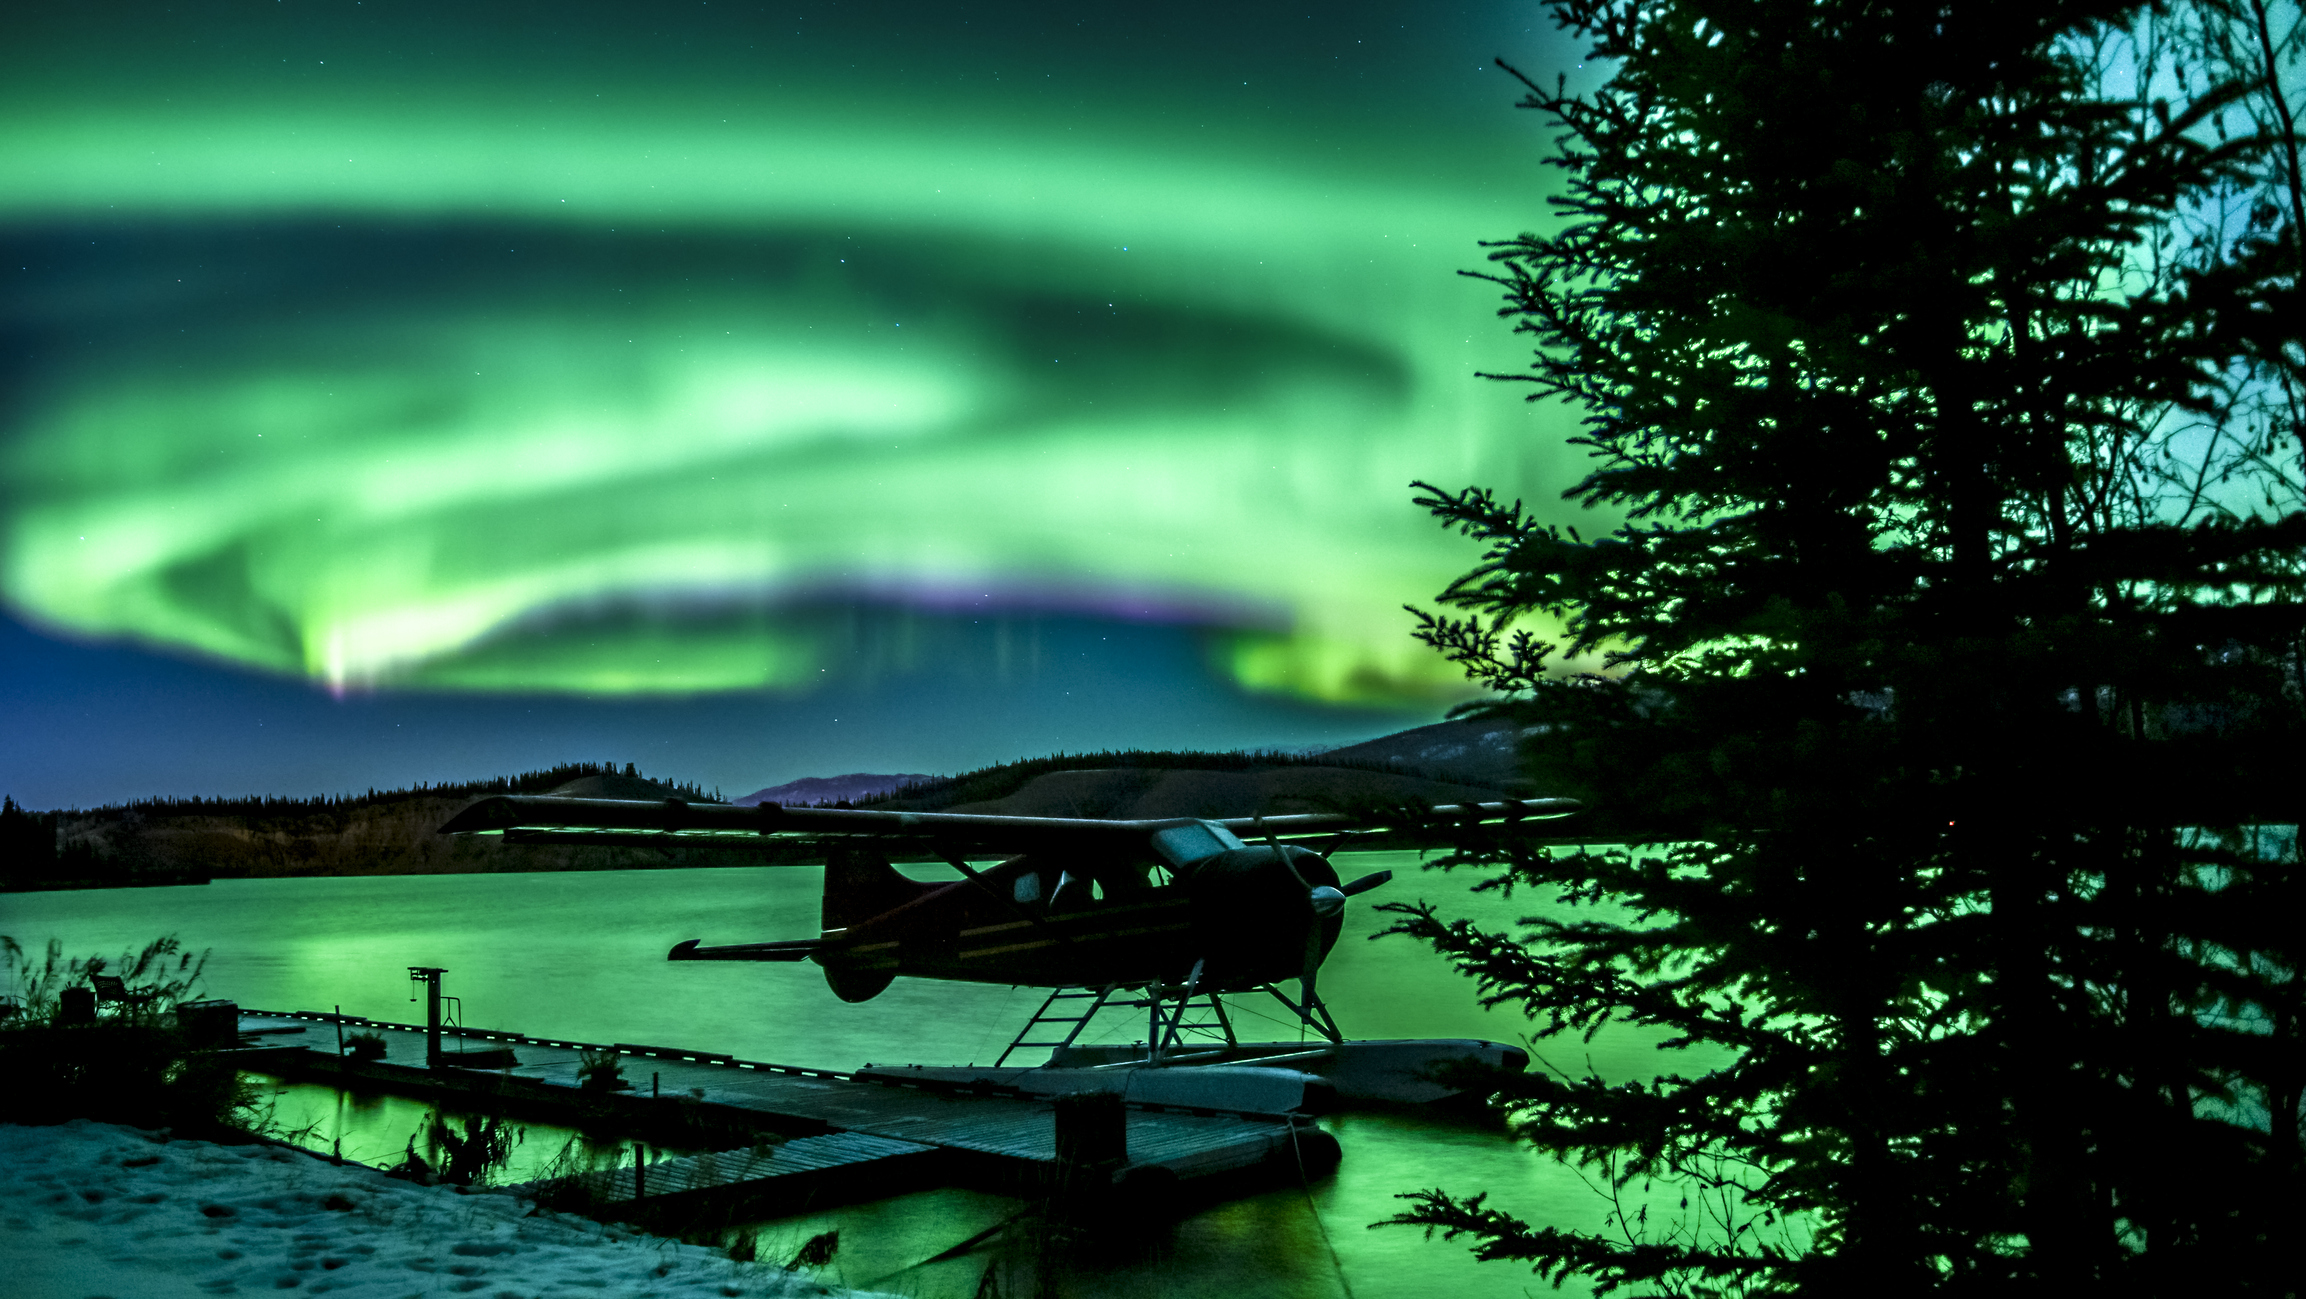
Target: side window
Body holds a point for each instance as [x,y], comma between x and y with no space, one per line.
[1028,888]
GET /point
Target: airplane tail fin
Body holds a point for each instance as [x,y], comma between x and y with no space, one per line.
[861,884]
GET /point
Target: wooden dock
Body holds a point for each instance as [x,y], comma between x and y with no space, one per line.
[786,1139]
[762,1181]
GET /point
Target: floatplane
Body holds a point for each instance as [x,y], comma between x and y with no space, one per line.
[1164,917]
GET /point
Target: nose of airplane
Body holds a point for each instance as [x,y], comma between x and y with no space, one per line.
[1257,917]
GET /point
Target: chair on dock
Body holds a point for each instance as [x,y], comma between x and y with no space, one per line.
[112,988]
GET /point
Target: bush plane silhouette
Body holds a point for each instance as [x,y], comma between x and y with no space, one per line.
[1178,907]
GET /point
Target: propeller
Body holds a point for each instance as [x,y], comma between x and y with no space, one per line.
[1325,902]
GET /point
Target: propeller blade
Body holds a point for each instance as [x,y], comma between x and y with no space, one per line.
[1283,858]
[1366,883]
[1312,962]
[1315,903]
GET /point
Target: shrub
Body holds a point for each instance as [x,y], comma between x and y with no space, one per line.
[816,1251]
[573,1179]
[160,976]
[365,1046]
[468,1157]
[133,1065]
[600,1070]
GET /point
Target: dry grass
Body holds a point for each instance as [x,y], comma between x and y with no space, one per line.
[133,1065]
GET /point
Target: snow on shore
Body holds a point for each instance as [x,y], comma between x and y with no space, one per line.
[90,1209]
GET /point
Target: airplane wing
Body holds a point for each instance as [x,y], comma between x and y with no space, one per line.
[799,949]
[531,818]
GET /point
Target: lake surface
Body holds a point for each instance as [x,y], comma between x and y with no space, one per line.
[581,955]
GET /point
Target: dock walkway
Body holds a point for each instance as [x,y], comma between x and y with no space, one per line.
[813,1136]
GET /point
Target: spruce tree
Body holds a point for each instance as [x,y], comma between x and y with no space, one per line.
[1937,358]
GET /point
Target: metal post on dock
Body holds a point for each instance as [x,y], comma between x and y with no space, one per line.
[1092,1146]
[430,974]
[340,1032]
[1092,1129]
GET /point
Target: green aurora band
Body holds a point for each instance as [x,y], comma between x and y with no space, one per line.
[638,398]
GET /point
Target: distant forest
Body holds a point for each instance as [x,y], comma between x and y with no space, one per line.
[155,841]
[159,841]
[262,805]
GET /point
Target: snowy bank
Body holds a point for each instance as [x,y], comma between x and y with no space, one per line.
[90,1209]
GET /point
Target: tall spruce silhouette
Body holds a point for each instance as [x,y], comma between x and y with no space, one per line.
[1941,360]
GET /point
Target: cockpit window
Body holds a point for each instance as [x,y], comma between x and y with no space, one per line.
[1183,845]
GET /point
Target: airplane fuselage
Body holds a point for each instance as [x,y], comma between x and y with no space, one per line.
[1034,922]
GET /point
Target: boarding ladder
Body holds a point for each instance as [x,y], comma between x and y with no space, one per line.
[1096,1000]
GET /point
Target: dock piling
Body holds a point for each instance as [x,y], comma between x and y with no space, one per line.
[1092,1129]
[1092,1147]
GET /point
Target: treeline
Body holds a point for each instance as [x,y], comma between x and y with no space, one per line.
[379,832]
[31,858]
[988,784]
[264,805]
[397,832]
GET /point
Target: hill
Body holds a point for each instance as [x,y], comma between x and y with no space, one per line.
[382,832]
[1457,762]
[811,790]
[1477,752]
[396,832]
[628,785]
[1130,793]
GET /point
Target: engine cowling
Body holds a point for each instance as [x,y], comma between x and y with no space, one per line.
[1251,912]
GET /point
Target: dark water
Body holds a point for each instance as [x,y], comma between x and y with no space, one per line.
[582,956]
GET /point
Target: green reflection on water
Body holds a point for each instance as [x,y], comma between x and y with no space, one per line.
[379,1129]
[581,956]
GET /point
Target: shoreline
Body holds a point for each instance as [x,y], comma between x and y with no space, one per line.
[96,1209]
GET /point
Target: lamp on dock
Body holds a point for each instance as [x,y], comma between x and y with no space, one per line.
[464,1057]
[430,976]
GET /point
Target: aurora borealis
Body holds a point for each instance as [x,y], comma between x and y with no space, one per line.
[572,354]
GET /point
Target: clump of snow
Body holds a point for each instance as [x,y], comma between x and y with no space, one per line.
[91,1209]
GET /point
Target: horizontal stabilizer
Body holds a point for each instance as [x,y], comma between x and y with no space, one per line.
[799,949]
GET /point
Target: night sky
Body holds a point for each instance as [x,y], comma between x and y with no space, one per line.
[398,393]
